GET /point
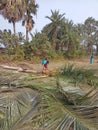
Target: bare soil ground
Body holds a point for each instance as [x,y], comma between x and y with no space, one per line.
[54,64]
[38,67]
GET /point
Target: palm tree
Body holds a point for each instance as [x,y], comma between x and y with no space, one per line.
[90,29]
[31,9]
[14,11]
[69,38]
[56,20]
[40,45]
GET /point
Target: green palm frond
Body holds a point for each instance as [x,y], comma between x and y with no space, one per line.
[62,107]
[9,79]
[77,75]
[55,113]
[15,104]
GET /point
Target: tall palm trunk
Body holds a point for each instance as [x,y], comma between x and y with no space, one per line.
[27,35]
[14,28]
[27,30]
[54,38]
[97,49]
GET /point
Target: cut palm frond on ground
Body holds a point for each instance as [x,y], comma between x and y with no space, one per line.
[66,105]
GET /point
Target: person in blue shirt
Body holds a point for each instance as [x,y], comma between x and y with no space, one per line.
[45,63]
[92,58]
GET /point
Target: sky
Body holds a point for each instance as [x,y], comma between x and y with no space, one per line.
[76,10]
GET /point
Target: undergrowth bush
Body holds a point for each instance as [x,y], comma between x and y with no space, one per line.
[78,75]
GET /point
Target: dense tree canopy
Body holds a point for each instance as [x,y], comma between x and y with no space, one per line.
[65,37]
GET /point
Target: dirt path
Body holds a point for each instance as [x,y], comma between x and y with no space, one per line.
[54,65]
[8,75]
[59,64]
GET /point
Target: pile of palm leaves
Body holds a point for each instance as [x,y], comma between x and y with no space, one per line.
[68,106]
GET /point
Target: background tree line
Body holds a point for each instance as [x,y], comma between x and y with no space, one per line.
[61,37]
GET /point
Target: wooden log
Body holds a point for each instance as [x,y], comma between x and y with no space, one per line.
[10,67]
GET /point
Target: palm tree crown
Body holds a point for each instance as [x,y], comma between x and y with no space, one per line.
[56,20]
[14,11]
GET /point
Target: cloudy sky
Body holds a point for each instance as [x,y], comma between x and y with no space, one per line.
[76,10]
